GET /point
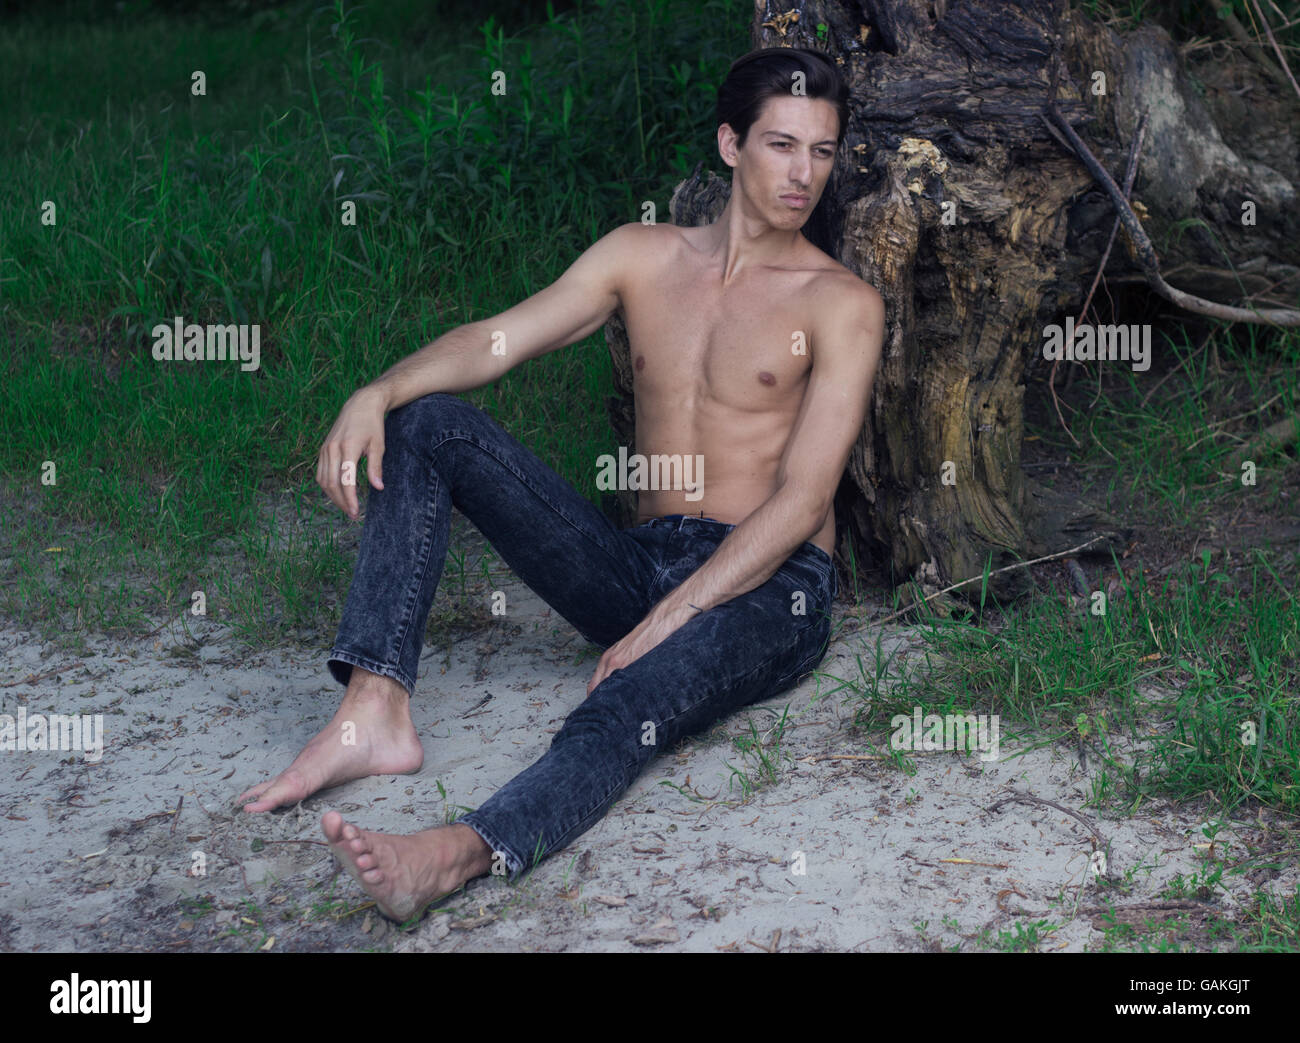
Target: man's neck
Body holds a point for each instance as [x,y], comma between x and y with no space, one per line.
[741,241]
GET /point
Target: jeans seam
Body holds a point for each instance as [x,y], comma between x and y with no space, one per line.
[591,810]
[524,481]
[807,659]
[418,575]
[743,678]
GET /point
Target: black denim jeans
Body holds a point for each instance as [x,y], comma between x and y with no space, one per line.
[440,452]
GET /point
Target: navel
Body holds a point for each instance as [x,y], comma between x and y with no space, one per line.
[766,378]
[640,362]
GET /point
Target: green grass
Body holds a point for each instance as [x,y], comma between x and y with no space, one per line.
[229,208]
[761,756]
[1185,690]
[1180,684]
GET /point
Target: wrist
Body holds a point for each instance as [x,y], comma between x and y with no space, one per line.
[677,612]
[377,394]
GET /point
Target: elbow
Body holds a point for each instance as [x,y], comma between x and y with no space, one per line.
[814,506]
[819,517]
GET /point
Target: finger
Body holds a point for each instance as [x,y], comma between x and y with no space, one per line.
[320,467]
[348,480]
[330,479]
[375,465]
[338,493]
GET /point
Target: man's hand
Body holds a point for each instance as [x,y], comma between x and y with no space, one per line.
[358,432]
[651,631]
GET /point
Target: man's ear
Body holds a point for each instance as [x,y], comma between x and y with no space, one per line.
[727,144]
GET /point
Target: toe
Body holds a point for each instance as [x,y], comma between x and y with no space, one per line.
[331,825]
[256,791]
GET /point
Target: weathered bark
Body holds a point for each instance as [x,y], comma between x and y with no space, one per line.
[977,226]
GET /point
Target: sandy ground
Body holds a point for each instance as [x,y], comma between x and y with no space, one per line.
[102,856]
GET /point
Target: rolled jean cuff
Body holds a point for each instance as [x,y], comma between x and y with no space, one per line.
[514,864]
[340,665]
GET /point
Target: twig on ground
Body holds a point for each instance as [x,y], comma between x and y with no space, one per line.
[41,677]
[973,579]
[1232,419]
[1028,798]
[156,814]
[1279,434]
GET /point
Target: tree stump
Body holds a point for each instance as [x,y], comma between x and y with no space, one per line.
[980,227]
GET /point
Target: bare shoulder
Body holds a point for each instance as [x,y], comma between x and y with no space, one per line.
[832,282]
[628,257]
[638,239]
[638,244]
[844,304]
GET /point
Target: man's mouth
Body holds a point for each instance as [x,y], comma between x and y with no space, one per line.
[795,200]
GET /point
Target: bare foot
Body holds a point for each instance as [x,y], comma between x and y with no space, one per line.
[403,874]
[371,734]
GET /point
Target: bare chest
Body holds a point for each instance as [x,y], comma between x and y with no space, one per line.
[747,346]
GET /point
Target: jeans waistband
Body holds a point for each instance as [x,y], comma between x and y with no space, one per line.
[694,523]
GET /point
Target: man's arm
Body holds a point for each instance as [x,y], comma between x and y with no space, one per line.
[473,355]
[846,354]
[476,354]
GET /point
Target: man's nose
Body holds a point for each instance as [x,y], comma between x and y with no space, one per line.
[801,170]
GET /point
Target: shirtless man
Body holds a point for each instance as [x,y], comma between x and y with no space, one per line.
[754,351]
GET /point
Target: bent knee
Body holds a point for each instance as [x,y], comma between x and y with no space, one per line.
[435,414]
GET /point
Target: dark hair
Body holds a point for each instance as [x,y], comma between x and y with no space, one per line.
[769,72]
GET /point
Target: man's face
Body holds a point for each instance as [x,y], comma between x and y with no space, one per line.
[786,160]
